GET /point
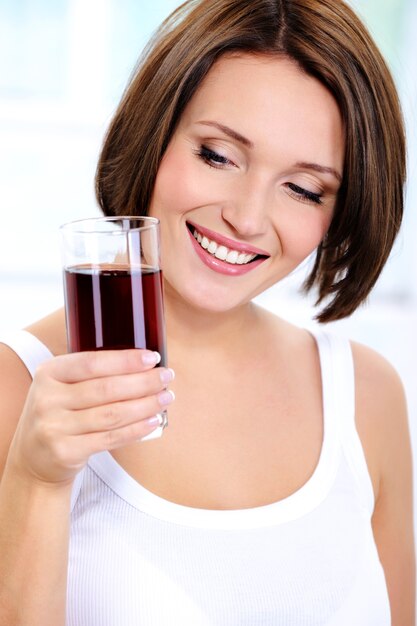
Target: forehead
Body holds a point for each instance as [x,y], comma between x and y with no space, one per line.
[268,99]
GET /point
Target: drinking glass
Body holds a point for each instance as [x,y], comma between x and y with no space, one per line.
[113,286]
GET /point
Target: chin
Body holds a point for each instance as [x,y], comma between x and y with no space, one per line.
[207,300]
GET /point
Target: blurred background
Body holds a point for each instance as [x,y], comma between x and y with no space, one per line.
[63,67]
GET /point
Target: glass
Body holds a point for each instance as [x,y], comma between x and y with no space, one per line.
[113,286]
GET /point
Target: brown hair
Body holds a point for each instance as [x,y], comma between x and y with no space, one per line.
[329,42]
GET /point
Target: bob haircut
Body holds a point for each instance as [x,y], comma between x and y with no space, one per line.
[327,41]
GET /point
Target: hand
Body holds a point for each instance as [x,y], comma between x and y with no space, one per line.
[86,402]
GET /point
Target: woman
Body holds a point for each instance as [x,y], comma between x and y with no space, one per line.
[258,132]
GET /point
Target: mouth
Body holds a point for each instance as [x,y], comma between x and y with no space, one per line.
[223,248]
[223,254]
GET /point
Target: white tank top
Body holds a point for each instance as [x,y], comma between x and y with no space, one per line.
[136,559]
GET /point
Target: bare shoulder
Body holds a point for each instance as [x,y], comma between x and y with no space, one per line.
[51,331]
[382,422]
[381,412]
[372,369]
[15,379]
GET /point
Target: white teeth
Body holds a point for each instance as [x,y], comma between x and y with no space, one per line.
[232,256]
[197,236]
[221,252]
[212,247]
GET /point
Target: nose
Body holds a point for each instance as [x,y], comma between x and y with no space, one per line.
[246,211]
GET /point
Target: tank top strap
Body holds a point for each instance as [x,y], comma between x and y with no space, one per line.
[31,351]
[338,374]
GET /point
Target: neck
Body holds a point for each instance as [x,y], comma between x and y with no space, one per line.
[192,328]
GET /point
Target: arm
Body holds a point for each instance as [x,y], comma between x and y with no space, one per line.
[383,427]
[78,404]
[31,549]
[34,531]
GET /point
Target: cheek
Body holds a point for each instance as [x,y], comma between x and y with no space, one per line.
[178,184]
[301,234]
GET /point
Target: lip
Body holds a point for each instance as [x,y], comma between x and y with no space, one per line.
[228,269]
[225,241]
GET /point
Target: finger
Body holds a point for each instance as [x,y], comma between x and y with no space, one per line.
[78,366]
[116,415]
[112,439]
[108,389]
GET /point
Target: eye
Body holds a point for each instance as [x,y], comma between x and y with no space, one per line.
[212,158]
[304,195]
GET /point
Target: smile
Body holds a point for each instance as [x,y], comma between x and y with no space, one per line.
[223,255]
[221,252]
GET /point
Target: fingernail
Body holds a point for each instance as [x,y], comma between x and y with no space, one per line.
[150,358]
[154,421]
[166,397]
[167,375]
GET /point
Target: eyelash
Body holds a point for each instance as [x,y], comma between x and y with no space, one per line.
[213,159]
[305,195]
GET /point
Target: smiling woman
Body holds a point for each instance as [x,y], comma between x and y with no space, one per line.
[365,94]
[256,131]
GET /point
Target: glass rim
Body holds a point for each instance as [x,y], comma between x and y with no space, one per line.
[73,226]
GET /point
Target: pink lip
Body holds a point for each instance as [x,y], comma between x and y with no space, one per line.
[221,266]
[229,243]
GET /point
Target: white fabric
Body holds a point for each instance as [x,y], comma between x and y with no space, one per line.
[31,351]
[138,560]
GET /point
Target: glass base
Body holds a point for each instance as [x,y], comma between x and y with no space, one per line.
[155,434]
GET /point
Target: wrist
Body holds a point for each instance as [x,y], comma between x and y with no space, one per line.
[17,475]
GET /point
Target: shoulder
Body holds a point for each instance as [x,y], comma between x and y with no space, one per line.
[382,423]
[381,414]
[371,368]
[379,389]
[380,396]
[15,379]
[50,330]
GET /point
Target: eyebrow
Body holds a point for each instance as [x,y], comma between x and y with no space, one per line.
[230,132]
[320,168]
[249,144]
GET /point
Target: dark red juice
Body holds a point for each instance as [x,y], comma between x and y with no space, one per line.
[114,308]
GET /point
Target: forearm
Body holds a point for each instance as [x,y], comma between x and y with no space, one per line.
[34,531]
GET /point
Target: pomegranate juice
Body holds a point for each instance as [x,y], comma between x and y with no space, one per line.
[114,308]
